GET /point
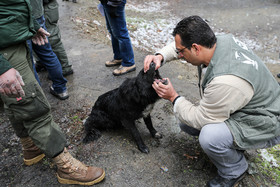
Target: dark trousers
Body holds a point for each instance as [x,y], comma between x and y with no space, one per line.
[31,115]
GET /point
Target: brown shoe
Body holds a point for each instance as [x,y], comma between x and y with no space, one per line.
[123,70]
[113,63]
[31,153]
[72,171]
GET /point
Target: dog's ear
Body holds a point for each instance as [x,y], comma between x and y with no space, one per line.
[129,90]
[140,74]
[135,94]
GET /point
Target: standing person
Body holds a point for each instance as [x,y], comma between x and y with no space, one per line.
[122,48]
[51,15]
[25,103]
[47,57]
[240,105]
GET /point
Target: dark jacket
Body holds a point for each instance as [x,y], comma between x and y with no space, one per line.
[16,25]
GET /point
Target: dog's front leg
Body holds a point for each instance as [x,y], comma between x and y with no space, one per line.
[149,124]
[130,125]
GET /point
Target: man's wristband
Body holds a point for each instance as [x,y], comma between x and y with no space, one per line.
[175,99]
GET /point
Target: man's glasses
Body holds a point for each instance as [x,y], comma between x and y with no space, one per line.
[180,51]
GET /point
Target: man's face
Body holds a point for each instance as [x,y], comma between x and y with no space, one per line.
[189,55]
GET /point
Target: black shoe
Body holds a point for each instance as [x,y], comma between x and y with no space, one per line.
[219,181]
[62,96]
[66,73]
[278,75]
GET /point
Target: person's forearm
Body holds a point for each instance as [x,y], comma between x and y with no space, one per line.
[168,53]
[160,57]
[174,98]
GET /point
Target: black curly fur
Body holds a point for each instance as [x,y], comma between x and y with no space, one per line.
[122,106]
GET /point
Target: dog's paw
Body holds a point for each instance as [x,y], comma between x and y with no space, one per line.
[144,149]
[158,136]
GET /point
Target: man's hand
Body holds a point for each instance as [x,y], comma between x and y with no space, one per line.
[165,91]
[40,38]
[11,84]
[152,58]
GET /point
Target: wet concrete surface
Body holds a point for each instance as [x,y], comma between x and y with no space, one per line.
[176,159]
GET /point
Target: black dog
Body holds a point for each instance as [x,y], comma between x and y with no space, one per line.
[122,106]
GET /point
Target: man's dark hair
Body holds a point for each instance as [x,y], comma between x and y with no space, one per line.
[194,29]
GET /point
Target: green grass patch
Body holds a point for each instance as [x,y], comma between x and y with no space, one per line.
[270,168]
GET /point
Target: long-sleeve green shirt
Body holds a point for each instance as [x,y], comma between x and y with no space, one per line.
[16,25]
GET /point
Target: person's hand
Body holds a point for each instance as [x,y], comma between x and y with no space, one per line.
[152,58]
[11,84]
[165,91]
[41,37]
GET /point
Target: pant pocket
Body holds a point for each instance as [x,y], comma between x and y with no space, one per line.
[30,107]
[51,12]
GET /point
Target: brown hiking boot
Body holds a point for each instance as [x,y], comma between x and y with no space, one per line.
[113,63]
[123,70]
[72,171]
[31,153]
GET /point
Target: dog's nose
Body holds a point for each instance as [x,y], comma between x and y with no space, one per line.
[152,65]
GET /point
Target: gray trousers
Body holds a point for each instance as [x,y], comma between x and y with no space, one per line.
[217,142]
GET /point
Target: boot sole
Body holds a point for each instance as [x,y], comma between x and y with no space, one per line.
[69,181]
[240,178]
[32,161]
[118,74]
[56,95]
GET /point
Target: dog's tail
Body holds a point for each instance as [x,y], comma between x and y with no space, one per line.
[97,120]
[92,135]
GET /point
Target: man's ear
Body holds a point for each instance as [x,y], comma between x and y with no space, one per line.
[197,48]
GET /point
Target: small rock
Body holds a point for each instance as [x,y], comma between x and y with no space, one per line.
[164,168]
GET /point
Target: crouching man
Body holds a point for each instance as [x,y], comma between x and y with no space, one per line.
[240,103]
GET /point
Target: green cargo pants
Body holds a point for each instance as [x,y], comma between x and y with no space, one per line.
[51,15]
[31,115]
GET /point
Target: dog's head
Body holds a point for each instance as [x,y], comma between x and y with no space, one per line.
[151,75]
[139,89]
